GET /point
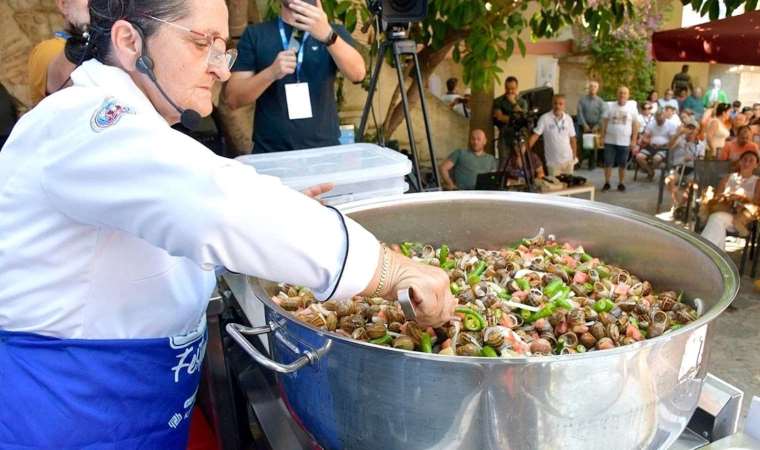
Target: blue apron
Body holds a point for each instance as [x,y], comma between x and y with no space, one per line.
[98,394]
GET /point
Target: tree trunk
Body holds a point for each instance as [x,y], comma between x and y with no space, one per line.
[481,112]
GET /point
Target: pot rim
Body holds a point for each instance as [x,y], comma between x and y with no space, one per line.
[727,268]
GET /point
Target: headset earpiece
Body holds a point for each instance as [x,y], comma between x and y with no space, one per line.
[144,65]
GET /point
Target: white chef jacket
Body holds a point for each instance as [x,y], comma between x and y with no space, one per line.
[114,231]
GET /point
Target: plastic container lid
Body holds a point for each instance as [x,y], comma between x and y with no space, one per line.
[338,200]
[352,164]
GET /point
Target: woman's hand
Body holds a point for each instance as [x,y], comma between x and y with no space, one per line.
[433,301]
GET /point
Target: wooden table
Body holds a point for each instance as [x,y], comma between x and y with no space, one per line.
[576,190]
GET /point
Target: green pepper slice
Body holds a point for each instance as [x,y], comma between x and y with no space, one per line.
[426,345]
[448,265]
[523,284]
[542,313]
[504,295]
[526,315]
[604,305]
[580,348]
[406,249]
[473,320]
[586,257]
[455,289]
[443,254]
[603,272]
[489,352]
[553,287]
[385,340]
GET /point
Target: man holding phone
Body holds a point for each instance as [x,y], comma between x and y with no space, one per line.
[287,66]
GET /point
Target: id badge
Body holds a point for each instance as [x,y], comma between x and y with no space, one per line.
[299,101]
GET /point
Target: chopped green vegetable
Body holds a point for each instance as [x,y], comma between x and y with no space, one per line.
[426,345]
[448,265]
[443,254]
[553,287]
[489,352]
[560,346]
[603,272]
[473,320]
[586,257]
[406,249]
[580,348]
[604,305]
[588,287]
[633,321]
[542,313]
[680,296]
[676,326]
[526,315]
[523,284]
[455,289]
[504,295]
[477,274]
[385,340]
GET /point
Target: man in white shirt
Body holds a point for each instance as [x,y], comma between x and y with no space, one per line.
[620,128]
[668,100]
[686,148]
[558,130]
[671,115]
[657,136]
[456,102]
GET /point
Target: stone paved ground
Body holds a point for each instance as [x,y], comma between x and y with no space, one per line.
[735,354]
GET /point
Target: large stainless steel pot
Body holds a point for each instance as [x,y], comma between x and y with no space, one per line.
[352,395]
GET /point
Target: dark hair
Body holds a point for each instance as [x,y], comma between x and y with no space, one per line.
[451,84]
[685,68]
[736,104]
[742,128]
[94,40]
[511,79]
[649,95]
[721,108]
[746,109]
[753,153]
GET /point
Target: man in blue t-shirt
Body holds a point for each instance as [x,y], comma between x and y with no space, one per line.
[290,75]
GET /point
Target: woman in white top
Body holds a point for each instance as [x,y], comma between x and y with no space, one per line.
[738,188]
[716,132]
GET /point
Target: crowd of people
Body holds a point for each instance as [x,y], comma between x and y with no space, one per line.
[669,132]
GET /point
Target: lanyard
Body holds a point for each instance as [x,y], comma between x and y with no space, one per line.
[560,124]
[285,46]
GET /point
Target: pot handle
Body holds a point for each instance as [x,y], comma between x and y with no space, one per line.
[238,333]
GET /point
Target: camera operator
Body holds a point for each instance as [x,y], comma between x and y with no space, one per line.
[509,116]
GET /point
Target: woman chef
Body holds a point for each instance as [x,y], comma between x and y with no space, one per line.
[111,224]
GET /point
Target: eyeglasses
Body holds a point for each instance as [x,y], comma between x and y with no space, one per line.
[218,54]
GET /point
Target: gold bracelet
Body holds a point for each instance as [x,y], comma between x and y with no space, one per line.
[384,272]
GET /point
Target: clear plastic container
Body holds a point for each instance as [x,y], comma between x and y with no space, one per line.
[359,171]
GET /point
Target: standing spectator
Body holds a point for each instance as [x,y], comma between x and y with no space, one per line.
[468,164]
[716,131]
[560,145]
[736,108]
[653,98]
[733,150]
[682,80]
[738,188]
[668,100]
[506,110]
[620,128]
[694,103]
[755,112]
[715,94]
[685,148]
[458,103]
[267,73]
[590,109]
[656,140]
[49,69]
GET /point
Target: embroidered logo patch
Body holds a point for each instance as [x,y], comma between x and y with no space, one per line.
[108,114]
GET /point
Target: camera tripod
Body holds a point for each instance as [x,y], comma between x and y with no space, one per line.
[397,42]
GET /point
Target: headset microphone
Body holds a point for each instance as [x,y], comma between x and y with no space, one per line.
[189,118]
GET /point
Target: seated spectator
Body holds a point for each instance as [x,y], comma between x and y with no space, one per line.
[694,103]
[685,148]
[681,95]
[755,112]
[515,167]
[734,206]
[671,115]
[734,149]
[739,121]
[458,103]
[736,108]
[668,100]
[657,137]
[468,164]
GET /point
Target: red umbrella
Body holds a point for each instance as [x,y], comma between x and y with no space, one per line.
[734,40]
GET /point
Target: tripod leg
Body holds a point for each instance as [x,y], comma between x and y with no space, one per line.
[423,103]
[407,117]
[371,92]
